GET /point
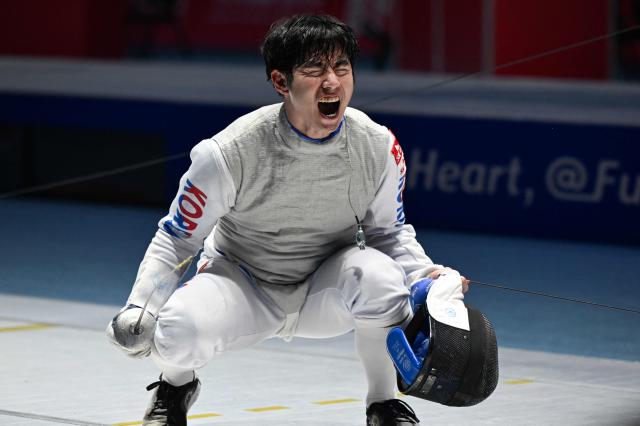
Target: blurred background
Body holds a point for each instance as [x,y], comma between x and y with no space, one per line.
[520,123]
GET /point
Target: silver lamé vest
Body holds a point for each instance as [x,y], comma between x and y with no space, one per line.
[296,199]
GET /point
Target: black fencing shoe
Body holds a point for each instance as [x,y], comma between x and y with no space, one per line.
[169,404]
[392,412]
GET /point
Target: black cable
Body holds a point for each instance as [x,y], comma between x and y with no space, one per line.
[502,66]
[140,165]
[85,178]
[144,164]
[566,299]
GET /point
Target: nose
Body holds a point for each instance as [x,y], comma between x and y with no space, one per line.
[331,81]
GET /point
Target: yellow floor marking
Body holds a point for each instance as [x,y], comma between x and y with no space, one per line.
[253,410]
[336,401]
[194,416]
[518,382]
[270,408]
[203,415]
[26,327]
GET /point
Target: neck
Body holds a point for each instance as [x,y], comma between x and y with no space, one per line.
[311,132]
[316,140]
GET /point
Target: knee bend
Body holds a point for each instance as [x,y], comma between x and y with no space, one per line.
[381,294]
[177,341]
[379,275]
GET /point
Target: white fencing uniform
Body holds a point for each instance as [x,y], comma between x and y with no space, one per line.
[277,213]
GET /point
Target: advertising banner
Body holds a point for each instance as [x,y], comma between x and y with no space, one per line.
[523,177]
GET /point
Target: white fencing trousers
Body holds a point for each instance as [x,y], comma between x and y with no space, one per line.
[223,308]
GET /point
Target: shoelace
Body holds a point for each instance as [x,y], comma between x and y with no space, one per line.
[154,385]
[159,405]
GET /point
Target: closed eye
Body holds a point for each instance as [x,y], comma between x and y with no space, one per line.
[342,71]
[312,71]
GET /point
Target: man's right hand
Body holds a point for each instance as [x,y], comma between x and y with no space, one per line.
[465,282]
[133,341]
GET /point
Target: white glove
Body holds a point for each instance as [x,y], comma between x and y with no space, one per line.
[448,285]
[122,331]
[445,300]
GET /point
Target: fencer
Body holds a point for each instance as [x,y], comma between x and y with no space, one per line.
[297,208]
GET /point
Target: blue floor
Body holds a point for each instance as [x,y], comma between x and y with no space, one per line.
[88,252]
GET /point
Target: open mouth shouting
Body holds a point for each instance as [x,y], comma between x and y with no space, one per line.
[329,106]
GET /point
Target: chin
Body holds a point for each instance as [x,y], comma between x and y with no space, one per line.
[331,121]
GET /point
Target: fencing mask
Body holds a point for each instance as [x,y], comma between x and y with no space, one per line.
[448,352]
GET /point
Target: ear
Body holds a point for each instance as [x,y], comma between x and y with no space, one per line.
[279,82]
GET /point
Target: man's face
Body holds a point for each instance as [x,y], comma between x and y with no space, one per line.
[317,97]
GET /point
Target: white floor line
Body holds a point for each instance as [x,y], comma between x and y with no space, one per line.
[49,418]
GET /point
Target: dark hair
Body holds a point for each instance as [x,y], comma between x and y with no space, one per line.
[293,41]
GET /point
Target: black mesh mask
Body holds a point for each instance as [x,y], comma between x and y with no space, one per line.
[461,367]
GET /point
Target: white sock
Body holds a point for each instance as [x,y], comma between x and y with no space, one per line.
[177,377]
[381,375]
[170,374]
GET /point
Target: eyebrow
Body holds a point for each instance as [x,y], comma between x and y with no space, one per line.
[313,64]
[319,63]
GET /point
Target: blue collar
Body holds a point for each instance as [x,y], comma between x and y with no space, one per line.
[313,140]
